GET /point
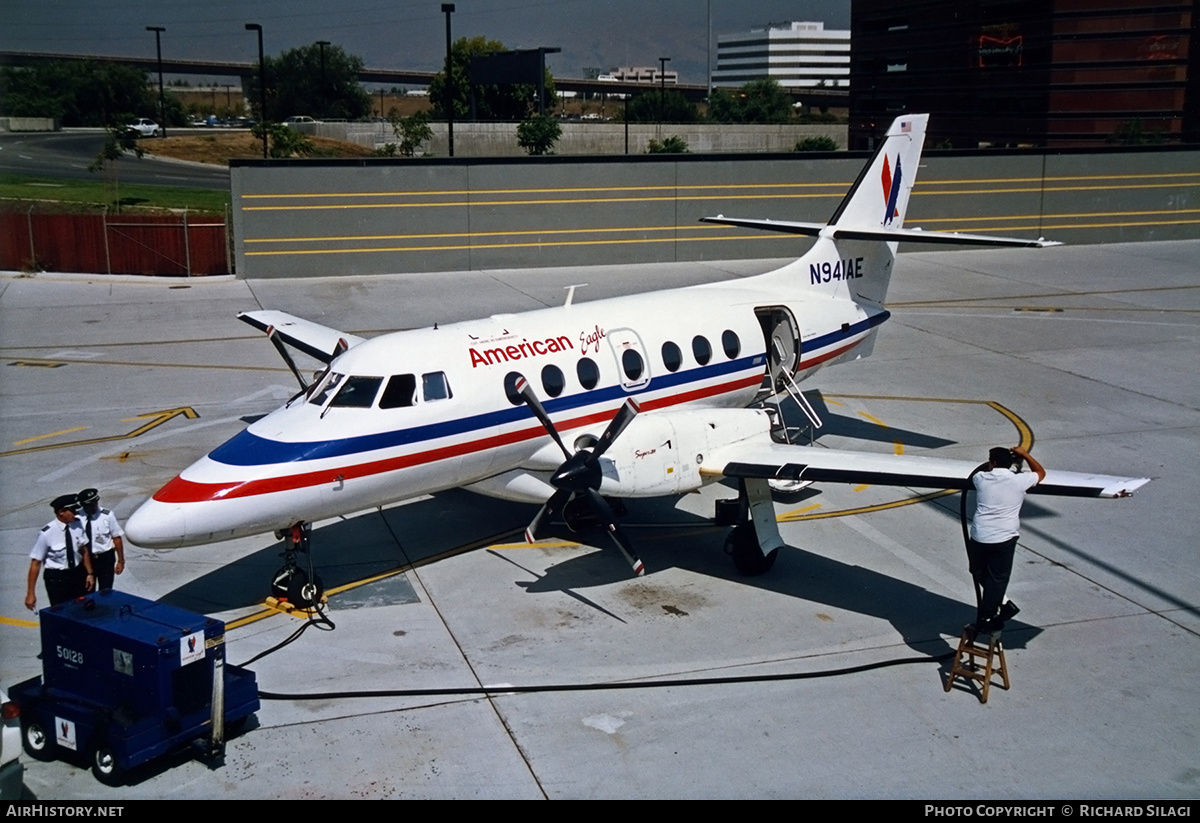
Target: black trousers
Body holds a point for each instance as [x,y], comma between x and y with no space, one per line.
[65,584]
[991,567]
[103,565]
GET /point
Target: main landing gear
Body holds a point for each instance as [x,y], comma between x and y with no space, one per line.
[293,584]
[753,542]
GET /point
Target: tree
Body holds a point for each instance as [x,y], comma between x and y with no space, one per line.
[411,131]
[654,106]
[118,141]
[817,142]
[669,145]
[538,133]
[759,101]
[492,101]
[300,81]
[79,93]
[282,140]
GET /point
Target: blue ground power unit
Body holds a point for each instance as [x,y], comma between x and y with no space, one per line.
[125,680]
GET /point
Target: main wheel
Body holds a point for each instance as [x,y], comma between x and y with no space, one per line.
[105,767]
[742,546]
[38,744]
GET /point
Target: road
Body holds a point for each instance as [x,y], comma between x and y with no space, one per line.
[66,155]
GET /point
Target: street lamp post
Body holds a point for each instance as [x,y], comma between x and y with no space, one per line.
[262,85]
[321,44]
[162,104]
[662,95]
[448,9]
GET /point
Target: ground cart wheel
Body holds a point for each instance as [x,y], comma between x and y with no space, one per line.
[38,744]
[105,767]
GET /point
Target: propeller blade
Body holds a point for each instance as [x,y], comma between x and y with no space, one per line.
[621,419]
[618,538]
[287,358]
[549,508]
[531,400]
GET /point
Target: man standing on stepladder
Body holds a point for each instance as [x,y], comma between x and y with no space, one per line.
[999,492]
[105,539]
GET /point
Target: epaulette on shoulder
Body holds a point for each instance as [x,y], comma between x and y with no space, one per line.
[46,527]
[105,511]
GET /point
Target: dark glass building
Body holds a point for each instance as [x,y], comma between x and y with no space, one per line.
[1027,72]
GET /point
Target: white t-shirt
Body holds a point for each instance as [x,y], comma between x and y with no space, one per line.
[999,495]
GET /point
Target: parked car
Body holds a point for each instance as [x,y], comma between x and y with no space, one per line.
[143,127]
[298,118]
[11,769]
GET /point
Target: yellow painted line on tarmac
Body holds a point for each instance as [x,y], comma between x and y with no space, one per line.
[861,487]
[478,246]
[873,419]
[16,621]
[42,364]
[835,187]
[797,516]
[795,513]
[559,201]
[52,434]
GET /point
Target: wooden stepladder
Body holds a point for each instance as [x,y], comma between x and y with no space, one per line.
[974,645]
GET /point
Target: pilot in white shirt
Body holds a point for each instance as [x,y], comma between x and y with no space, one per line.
[61,548]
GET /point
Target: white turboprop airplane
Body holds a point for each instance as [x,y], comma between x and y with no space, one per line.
[641,396]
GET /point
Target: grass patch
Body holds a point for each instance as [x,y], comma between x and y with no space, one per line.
[20,193]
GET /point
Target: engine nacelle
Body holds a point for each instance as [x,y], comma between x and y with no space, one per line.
[660,453]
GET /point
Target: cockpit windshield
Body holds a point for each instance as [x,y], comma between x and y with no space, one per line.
[325,388]
[357,392]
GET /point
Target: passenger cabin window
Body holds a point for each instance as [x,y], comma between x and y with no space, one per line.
[401,391]
[701,349]
[510,388]
[731,343]
[435,386]
[553,380]
[672,356]
[588,372]
[357,392]
[632,363]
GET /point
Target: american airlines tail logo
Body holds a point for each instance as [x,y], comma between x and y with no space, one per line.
[891,189]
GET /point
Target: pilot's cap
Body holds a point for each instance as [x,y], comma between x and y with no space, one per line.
[88,496]
[64,501]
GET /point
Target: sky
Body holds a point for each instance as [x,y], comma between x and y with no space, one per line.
[402,34]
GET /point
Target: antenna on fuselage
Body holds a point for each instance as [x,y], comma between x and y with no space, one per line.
[571,292]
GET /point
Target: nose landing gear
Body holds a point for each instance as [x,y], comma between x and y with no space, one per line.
[293,584]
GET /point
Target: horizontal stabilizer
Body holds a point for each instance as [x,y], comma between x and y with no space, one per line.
[886,234]
[317,341]
[784,462]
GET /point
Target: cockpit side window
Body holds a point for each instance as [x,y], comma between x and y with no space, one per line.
[357,392]
[401,391]
[325,389]
[435,386]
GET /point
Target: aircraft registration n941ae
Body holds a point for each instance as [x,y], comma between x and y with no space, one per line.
[569,407]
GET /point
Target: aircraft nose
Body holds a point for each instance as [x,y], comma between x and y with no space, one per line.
[156,525]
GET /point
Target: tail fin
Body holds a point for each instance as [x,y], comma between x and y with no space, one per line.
[879,198]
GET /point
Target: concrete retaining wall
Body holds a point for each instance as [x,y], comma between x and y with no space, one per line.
[29,124]
[500,139]
[297,218]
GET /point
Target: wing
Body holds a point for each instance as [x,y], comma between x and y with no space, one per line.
[780,461]
[913,235]
[315,340]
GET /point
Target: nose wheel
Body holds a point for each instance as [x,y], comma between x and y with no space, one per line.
[293,584]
